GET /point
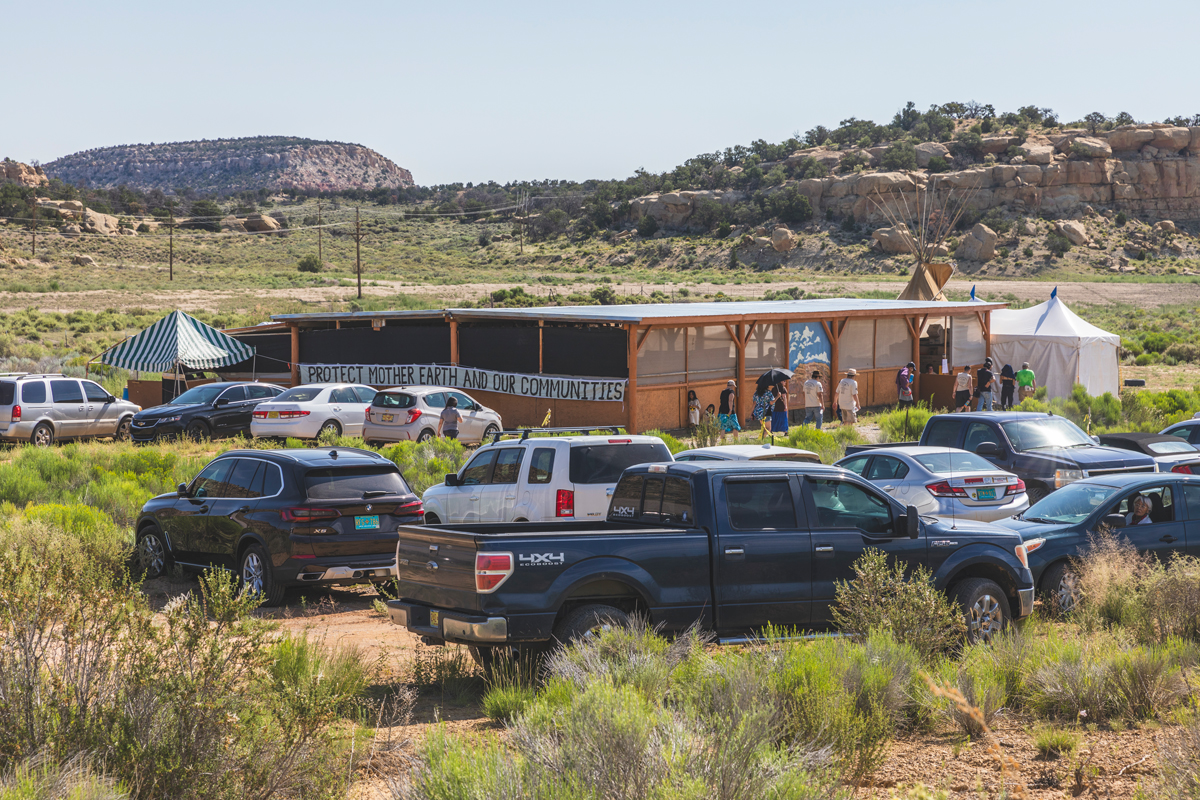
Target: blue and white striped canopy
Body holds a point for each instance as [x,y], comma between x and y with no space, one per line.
[177,339]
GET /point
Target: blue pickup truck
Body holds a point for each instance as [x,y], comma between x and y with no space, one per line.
[733,545]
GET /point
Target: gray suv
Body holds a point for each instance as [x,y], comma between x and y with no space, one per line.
[42,408]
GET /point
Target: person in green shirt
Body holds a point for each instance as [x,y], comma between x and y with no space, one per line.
[1026,382]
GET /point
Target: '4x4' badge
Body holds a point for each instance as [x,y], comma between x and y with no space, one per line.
[540,559]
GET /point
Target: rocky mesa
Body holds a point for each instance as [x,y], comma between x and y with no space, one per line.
[225,166]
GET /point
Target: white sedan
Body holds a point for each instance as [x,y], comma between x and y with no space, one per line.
[305,412]
[942,481]
[748,452]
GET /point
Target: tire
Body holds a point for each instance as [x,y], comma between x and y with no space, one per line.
[330,425]
[1059,590]
[985,608]
[425,435]
[487,433]
[43,435]
[197,431]
[1036,493]
[588,622]
[122,433]
[153,557]
[257,575]
[432,519]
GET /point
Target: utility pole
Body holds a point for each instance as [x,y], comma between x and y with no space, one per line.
[358,250]
[33,224]
[319,256]
[171,242]
[521,212]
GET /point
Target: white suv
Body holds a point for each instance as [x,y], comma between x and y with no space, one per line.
[412,413]
[540,478]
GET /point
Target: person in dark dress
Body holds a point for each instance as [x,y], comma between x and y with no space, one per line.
[1008,386]
[779,419]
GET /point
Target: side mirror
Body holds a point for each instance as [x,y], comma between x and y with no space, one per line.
[1096,439]
[221,401]
[452,479]
[1114,520]
[111,399]
[181,489]
[912,521]
[989,450]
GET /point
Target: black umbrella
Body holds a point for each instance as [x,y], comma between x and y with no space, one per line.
[773,376]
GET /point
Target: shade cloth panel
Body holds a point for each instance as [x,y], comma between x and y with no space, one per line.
[893,342]
[856,345]
[661,359]
[766,347]
[967,345]
[177,339]
[712,353]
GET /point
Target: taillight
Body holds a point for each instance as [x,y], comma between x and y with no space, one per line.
[944,489]
[293,414]
[16,414]
[491,570]
[410,509]
[1183,469]
[620,441]
[307,514]
[260,415]
[367,414]
[414,414]
[1016,488]
[564,503]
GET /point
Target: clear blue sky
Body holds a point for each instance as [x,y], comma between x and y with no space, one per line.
[473,91]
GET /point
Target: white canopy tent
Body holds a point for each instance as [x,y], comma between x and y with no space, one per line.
[1061,348]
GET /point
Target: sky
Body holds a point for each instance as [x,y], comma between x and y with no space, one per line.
[473,91]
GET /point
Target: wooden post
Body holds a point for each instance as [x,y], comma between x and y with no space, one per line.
[987,332]
[33,224]
[540,328]
[743,398]
[631,398]
[358,251]
[295,355]
[171,244]
[320,257]
[454,342]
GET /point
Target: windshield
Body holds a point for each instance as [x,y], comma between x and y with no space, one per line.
[1171,447]
[199,396]
[1071,504]
[1043,432]
[954,462]
[301,394]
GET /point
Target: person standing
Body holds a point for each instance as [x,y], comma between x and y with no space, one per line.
[985,383]
[693,408]
[1026,382]
[779,420]
[1007,387]
[904,384]
[450,417]
[846,398]
[814,400]
[727,412]
[962,390]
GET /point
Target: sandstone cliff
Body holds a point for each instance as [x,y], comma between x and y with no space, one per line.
[224,166]
[23,174]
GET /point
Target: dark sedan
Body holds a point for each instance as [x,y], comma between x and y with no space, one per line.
[1171,453]
[1189,430]
[210,411]
[1056,528]
[283,518]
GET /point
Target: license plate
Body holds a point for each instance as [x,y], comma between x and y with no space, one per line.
[366,523]
[985,494]
[435,618]
[272,415]
[388,417]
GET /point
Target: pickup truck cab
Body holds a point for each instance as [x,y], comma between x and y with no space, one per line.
[1046,451]
[733,545]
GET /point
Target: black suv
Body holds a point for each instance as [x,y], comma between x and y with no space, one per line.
[283,518]
[210,411]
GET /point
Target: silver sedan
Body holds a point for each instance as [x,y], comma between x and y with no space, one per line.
[942,481]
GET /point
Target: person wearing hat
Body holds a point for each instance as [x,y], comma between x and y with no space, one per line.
[1026,382]
[846,398]
[814,400]
[985,382]
[904,384]
[727,413]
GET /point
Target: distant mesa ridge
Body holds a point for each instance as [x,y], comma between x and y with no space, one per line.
[223,166]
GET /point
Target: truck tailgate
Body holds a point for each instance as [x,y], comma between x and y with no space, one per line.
[436,566]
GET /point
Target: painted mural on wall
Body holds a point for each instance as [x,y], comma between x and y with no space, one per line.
[808,352]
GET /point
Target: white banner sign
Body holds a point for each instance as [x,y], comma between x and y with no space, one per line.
[467,378]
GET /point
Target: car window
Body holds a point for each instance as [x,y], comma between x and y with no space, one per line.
[541,466]
[508,465]
[197,396]
[841,504]
[886,468]
[942,433]
[857,464]
[1162,448]
[354,483]
[234,394]
[760,505]
[795,457]
[435,400]
[95,392]
[1045,432]
[478,470]
[1182,433]
[343,394]
[604,463]
[8,392]
[977,434]
[301,394]
[272,481]
[393,400]
[244,477]
[1191,495]
[1071,504]
[365,393]
[1162,506]
[954,461]
[212,480]
[1194,436]
[260,392]
[464,403]
[654,499]
[33,393]
[66,391]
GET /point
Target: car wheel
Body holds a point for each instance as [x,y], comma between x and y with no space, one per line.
[197,431]
[487,433]
[432,519]
[1035,493]
[257,576]
[425,435]
[152,555]
[123,430]
[43,435]
[1060,590]
[985,608]
[330,428]
[589,622]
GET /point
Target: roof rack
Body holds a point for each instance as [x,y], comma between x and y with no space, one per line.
[32,375]
[525,432]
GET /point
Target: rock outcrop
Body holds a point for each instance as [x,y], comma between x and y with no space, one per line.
[23,173]
[978,245]
[223,166]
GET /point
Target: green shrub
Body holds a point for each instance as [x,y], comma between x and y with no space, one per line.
[647,226]
[938,164]
[828,443]
[427,463]
[314,683]
[1144,683]
[1051,741]
[506,703]
[790,206]
[1179,759]
[673,444]
[899,156]
[1027,252]
[1145,360]
[309,263]
[1120,219]
[1057,244]
[983,686]
[905,424]
[1157,342]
